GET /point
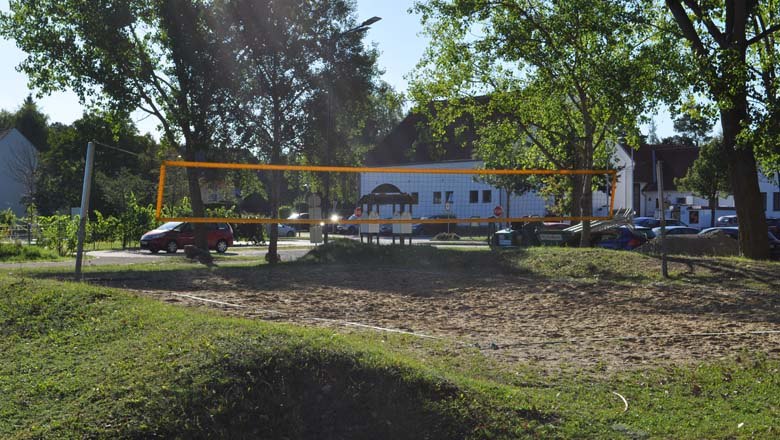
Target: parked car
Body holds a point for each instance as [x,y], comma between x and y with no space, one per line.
[652,222]
[434,228]
[348,229]
[727,220]
[676,230]
[299,216]
[172,236]
[773,224]
[622,238]
[647,232]
[286,230]
[733,232]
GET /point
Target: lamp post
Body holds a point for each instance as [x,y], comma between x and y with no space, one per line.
[362,27]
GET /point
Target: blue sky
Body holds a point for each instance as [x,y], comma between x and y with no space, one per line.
[397,37]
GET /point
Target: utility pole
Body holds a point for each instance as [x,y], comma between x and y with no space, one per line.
[85,192]
[660,178]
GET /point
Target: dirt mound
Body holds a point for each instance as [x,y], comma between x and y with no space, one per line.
[713,244]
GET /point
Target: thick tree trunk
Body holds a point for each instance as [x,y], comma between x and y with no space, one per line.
[743,175]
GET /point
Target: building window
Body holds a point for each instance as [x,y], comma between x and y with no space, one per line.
[487,196]
[437,197]
[448,196]
[473,196]
[776,201]
[763,199]
[415,198]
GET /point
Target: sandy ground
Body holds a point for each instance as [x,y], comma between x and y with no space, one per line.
[548,323]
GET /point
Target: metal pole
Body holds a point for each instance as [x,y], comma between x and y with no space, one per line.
[85,191]
[660,178]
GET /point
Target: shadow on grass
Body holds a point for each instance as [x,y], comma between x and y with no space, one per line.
[587,278]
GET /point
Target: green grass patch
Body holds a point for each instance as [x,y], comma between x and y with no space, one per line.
[12,252]
[84,361]
[560,263]
[88,361]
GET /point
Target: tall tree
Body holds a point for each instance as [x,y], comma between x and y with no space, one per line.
[694,122]
[32,123]
[734,47]
[286,58]
[708,177]
[573,77]
[158,56]
[117,173]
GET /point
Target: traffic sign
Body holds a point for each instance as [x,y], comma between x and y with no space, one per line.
[498,211]
[448,206]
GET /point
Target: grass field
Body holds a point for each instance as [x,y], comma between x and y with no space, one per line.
[10,253]
[91,360]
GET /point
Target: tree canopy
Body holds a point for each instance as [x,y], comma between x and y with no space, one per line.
[566,81]
[734,53]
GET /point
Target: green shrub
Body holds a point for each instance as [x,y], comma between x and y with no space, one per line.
[285,211]
[59,232]
[19,252]
[136,220]
[7,218]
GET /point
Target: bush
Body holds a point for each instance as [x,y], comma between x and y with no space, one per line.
[19,252]
[135,221]
[446,236]
[59,232]
[285,211]
[7,218]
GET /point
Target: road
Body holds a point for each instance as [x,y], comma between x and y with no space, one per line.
[134,256]
[289,250]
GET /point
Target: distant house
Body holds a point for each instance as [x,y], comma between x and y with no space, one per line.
[408,146]
[18,159]
[638,185]
[462,195]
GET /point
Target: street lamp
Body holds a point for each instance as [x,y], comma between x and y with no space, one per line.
[362,27]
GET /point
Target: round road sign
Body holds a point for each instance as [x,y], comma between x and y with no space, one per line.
[498,211]
[447,206]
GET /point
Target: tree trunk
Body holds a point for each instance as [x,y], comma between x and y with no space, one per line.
[743,175]
[586,209]
[713,207]
[273,234]
[576,195]
[196,202]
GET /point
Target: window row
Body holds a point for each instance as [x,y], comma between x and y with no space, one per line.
[449,196]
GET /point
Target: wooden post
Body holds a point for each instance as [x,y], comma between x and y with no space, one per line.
[660,177]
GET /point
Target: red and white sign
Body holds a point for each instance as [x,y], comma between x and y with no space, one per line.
[358,211]
[498,211]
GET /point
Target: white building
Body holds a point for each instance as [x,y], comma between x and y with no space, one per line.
[462,195]
[638,186]
[18,159]
[408,146]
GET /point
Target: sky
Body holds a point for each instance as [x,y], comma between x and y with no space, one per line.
[398,37]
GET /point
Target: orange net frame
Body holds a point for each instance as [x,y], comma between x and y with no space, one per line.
[382,170]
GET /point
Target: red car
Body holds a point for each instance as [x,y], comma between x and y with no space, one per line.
[174,235]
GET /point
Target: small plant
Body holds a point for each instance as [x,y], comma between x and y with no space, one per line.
[446,236]
[59,232]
